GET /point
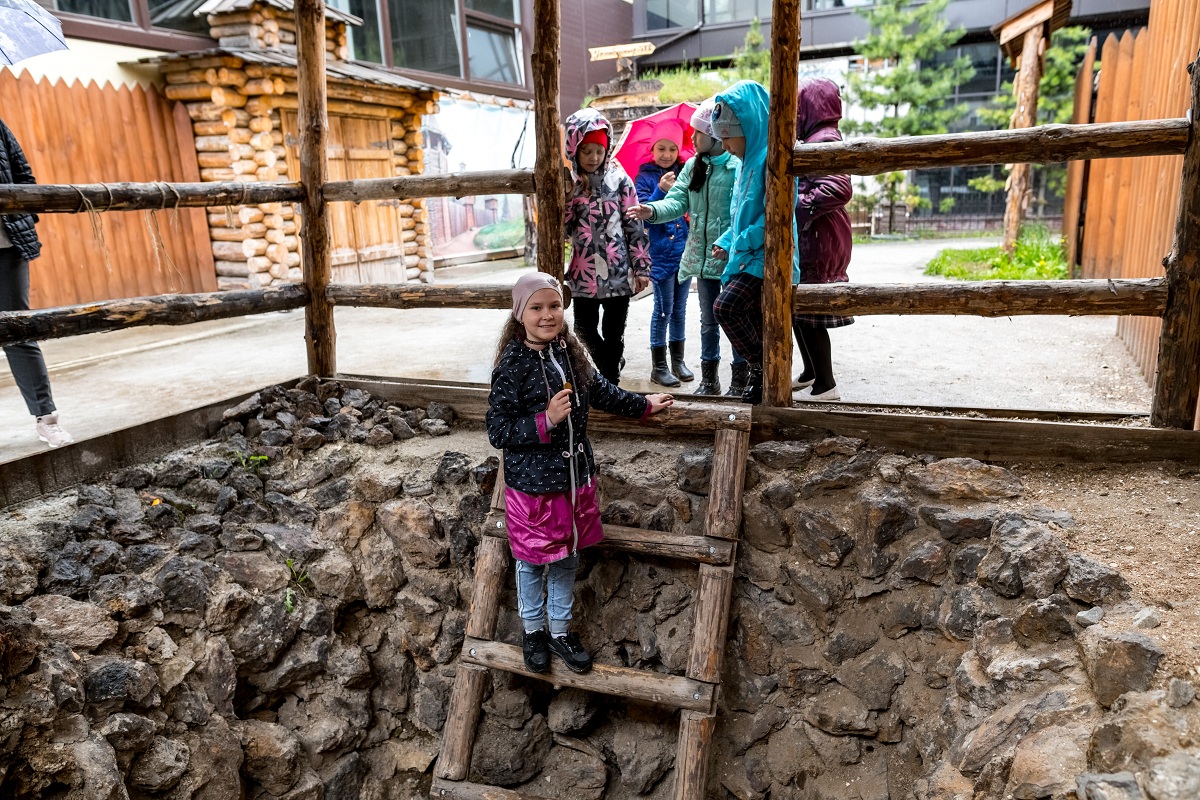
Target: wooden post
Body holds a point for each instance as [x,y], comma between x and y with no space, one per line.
[462,716]
[691,757]
[724,518]
[548,173]
[319,332]
[1177,385]
[781,205]
[1025,116]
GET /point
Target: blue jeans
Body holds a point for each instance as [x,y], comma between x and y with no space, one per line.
[710,329]
[670,310]
[535,582]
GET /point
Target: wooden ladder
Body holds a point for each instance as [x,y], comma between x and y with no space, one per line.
[694,694]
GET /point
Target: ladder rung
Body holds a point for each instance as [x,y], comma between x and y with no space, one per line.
[443,789]
[652,687]
[686,547]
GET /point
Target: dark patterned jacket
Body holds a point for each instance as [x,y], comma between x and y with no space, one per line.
[536,458]
[15,169]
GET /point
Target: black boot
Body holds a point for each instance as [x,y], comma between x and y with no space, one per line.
[536,650]
[752,394]
[737,380]
[571,651]
[710,383]
[658,368]
[678,368]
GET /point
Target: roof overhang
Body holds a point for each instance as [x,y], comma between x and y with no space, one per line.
[1050,14]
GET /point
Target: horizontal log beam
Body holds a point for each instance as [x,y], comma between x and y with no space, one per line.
[163,309]
[643,542]
[1142,297]
[76,198]
[455,184]
[418,295]
[1043,144]
[673,691]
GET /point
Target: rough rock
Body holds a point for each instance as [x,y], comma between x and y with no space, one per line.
[884,516]
[761,526]
[411,523]
[1024,559]
[1046,762]
[1117,786]
[781,455]
[583,772]
[694,468]
[1174,777]
[1139,729]
[1044,621]
[571,710]
[818,536]
[161,766]
[1118,662]
[81,626]
[1091,582]
[964,479]
[504,757]
[272,755]
[644,752]
[957,525]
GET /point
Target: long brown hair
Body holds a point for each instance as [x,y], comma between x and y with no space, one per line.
[514,331]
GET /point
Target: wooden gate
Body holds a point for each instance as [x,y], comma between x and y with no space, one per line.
[365,237]
[90,134]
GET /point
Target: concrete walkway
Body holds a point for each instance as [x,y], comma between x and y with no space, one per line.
[104,382]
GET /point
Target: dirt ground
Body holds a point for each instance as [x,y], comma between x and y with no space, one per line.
[1144,521]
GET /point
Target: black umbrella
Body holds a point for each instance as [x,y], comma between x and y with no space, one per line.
[27,30]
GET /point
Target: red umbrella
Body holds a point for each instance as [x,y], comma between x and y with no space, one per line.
[640,135]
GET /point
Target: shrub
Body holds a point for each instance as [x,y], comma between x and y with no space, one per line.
[501,235]
[1038,256]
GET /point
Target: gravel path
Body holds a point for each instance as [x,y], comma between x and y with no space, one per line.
[105,382]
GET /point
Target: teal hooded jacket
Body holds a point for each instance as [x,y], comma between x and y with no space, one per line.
[747,231]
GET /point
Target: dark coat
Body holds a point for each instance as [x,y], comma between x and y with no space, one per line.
[522,384]
[15,169]
[667,239]
[823,226]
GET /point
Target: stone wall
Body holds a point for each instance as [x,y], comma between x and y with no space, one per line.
[279,612]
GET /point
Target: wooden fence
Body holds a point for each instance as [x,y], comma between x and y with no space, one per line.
[75,134]
[1128,206]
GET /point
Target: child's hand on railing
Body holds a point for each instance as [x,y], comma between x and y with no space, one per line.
[659,401]
[642,212]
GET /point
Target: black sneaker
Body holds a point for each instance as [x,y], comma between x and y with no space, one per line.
[536,651]
[571,651]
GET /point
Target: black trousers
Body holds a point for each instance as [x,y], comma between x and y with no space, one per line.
[606,340]
[25,359]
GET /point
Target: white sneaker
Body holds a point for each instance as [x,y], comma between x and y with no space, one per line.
[50,432]
[824,397]
[798,384]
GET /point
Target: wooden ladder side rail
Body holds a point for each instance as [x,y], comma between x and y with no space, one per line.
[470,681]
[643,542]
[1177,386]
[713,595]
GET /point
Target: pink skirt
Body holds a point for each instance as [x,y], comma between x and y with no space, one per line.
[539,525]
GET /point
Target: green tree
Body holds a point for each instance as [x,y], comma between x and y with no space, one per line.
[912,87]
[752,61]
[1056,105]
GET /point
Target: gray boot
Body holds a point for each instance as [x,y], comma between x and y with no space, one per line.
[659,372]
[710,382]
[737,380]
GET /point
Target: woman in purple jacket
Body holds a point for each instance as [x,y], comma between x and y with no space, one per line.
[823,236]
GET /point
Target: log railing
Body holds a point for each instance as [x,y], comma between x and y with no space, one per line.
[1141,297]
[72,199]
[164,309]
[1043,144]
[454,184]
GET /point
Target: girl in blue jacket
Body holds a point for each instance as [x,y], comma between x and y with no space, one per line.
[667,239]
[740,122]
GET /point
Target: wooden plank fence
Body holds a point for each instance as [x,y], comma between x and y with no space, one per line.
[78,134]
[1128,206]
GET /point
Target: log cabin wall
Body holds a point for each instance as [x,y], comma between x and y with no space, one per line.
[242,102]
[1130,205]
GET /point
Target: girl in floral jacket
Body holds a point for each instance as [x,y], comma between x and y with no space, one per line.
[610,254]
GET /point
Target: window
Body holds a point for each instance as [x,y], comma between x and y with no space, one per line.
[826,5]
[178,15]
[504,9]
[118,10]
[366,40]
[717,11]
[661,14]
[425,35]
[494,55]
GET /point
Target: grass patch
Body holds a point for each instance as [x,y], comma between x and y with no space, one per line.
[682,85]
[1038,256]
[501,235]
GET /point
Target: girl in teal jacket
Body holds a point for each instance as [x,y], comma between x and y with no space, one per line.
[704,190]
[740,122]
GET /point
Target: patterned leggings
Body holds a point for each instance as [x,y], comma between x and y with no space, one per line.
[738,309]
